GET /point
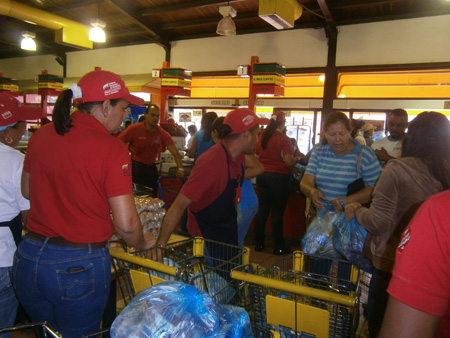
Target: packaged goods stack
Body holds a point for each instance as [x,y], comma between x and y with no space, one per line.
[151,214]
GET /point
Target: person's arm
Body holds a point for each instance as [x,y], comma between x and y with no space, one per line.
[172,218]
[308,187]
[24,217]
[289,161]
[403,321]
[193,148]
[127,224]
[25,185]
[383,209]
[174,151]
[382,155]
[253,167]
[360,197]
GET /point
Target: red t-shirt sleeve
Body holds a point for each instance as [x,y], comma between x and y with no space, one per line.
[206,182]
[421,276]
[118,172]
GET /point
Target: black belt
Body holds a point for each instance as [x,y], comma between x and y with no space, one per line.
[140,164]
[61,241]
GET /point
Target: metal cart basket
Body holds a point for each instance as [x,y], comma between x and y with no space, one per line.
[41,329]
[302,296]
[200,262]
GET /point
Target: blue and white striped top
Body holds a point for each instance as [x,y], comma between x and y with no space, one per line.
[333,173]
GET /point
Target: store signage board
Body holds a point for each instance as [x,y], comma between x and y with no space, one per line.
[185,117]
[197,113]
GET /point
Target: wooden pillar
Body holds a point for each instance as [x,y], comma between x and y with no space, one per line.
[251,93]
[164,102]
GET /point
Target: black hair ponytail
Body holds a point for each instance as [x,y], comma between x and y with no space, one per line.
[61,112]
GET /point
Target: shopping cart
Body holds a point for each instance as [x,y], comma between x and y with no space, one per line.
[200,262]
[169,187]
[41,329]
[294,300]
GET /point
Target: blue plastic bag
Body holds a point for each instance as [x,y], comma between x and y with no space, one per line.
[318,240]
[176,310]
[348,239]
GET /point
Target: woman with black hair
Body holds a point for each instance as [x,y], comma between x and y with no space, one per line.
[76,175]
[275,153]
[203,139]
[423,170]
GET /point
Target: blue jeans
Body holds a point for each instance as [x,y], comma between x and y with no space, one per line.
[273,196]
[66,286]
[8,300]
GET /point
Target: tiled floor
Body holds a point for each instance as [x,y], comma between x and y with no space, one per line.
[266,257]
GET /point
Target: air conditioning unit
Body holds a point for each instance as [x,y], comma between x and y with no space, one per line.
[280,13]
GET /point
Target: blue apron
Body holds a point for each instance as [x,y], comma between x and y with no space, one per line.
[218,221]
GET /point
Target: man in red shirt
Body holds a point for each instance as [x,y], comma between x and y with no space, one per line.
[213,188]
[144,140]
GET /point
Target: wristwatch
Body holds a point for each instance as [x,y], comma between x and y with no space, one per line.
[180,169]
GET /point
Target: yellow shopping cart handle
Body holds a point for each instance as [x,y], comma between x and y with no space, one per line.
[148,263]
[294,288]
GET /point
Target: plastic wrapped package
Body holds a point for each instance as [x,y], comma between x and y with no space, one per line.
[150,211]
[176,310]
[348,239]
[318,239]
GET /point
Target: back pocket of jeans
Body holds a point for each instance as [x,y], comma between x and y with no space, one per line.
[76,282]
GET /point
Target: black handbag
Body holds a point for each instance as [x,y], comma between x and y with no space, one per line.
[358,184]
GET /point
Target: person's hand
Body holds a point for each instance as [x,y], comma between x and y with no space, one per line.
[317,197]
[337,204]
[180,173]
[150,240]
[350,210]
[382,154]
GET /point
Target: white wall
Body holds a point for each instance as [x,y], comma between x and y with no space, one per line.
[292,48]
[139,59]
[418,40]
[27,68]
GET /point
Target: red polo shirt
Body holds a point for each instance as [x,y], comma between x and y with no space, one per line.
[272,158]
[144,145]
[71,178]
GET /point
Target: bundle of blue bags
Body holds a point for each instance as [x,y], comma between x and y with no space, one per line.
[331,236]
[176,310]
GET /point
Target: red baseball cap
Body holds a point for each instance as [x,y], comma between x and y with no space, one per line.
[242,119]
[101,85]
[278,116]
[13,111]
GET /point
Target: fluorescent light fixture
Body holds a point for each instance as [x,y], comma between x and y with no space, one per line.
[227,26]
[27,42]
[97,34]
[322,78]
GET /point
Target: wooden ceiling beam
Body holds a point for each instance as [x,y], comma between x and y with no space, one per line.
[183,5]
[72,6]
[124,7]
[206,21]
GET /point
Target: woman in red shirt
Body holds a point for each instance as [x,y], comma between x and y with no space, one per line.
[275,153]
